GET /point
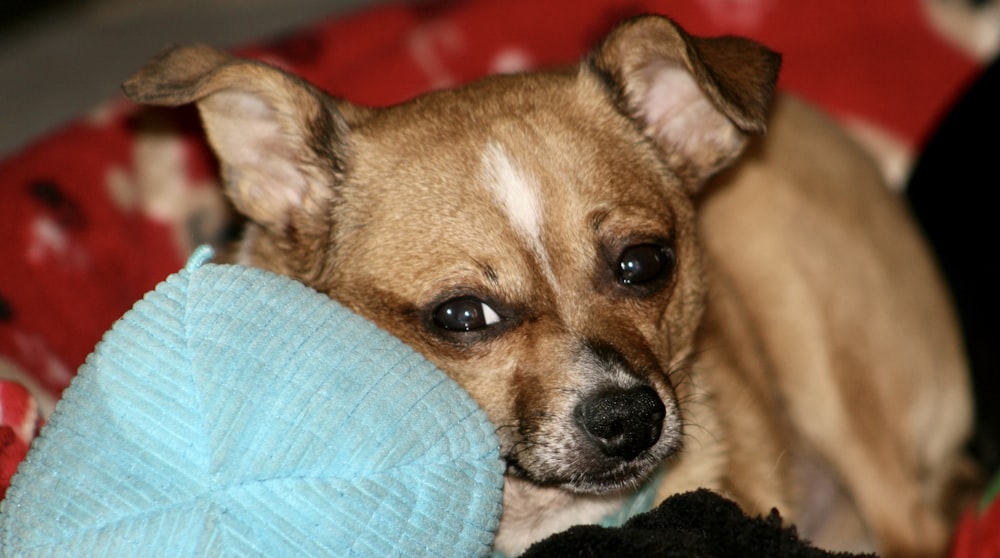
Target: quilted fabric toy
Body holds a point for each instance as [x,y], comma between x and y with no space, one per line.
[234,411]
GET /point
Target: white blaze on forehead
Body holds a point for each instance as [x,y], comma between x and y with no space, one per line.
[518,194]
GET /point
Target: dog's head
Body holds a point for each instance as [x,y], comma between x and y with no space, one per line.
[533,235]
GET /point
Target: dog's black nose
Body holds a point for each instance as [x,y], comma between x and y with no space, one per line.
[623,422]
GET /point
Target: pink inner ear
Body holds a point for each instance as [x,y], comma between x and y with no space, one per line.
[261,156]
[680,115]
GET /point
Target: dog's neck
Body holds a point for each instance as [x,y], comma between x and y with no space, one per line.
[532,513]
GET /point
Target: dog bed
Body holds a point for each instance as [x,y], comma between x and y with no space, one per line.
[99,212]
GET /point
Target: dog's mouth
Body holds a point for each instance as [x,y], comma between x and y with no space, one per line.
[613,440]
[624,476]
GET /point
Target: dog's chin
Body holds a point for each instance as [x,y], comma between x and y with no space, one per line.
[598,479]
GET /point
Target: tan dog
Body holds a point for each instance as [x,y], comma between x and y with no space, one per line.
[550,240]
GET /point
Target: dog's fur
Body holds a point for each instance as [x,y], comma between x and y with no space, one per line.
[784,338]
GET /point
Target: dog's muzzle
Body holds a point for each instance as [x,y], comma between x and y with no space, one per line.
[622,422]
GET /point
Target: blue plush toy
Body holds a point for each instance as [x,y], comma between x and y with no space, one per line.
[236,412]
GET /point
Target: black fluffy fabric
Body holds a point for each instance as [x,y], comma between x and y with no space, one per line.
[698,524]
[951,192]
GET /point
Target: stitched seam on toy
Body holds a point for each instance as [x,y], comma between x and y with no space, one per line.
[203,443]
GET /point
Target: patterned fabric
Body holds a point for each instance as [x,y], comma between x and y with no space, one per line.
[19,423]
[978,533]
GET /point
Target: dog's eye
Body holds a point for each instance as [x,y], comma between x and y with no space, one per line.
[465,313]
[645,263]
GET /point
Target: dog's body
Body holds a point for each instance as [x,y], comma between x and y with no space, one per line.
[551,242]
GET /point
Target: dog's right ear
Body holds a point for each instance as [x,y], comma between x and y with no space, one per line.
[281,142]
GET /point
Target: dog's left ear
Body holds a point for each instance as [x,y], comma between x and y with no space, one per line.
[696,98]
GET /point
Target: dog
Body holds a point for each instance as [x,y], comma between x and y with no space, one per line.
[642,292]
